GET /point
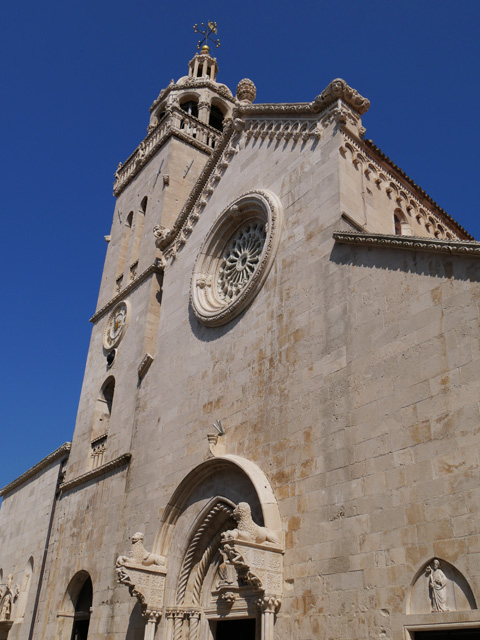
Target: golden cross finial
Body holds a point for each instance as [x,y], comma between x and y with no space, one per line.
[206,32]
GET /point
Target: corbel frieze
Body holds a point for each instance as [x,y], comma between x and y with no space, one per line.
[402,193]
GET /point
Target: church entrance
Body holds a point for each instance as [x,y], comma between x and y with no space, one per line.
[450,634]
[235,629]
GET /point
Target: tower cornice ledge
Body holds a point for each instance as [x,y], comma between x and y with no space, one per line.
[411,243]
[156,267]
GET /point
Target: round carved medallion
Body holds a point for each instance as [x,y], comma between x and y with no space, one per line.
[116,325]
[236,257]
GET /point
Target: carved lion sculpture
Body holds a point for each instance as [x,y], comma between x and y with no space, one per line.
[139,555]
[247,529]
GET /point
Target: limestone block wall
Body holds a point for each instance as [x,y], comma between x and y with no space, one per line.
[351,380]
[24,521]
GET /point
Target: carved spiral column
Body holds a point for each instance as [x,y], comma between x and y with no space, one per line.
[178,625]
[194,620]
[269,606]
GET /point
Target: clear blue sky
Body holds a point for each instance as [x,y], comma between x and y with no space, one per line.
[78,80]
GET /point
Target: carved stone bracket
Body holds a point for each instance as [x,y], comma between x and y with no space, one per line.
[144,574]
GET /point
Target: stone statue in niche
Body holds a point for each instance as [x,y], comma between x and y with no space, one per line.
[437,584]
[247,529]
[139,555]
[7,598]
[227,575]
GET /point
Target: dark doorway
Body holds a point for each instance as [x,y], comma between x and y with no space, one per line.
[449,634]
[81,618]
[235,629]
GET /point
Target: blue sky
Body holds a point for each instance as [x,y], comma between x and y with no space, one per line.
[78,79]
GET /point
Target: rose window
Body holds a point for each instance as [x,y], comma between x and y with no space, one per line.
[240,260]
[236,257]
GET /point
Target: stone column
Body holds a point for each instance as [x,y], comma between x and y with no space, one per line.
[194,620]
[178,625]
[170,614]
[205,68]
[152,619]
[195,67]
[268,605]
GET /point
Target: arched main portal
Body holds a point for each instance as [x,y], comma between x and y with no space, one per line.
[219,555]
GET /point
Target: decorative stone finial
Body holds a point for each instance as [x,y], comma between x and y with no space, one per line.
[246,90]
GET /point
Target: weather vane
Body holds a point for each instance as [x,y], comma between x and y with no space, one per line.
[206,32]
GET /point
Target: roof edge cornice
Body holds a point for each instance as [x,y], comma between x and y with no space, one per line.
[411,243]
[62,451]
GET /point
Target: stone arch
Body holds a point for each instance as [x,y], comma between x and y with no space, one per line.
[205,470]
[192,539]
[456,593]
[75,609]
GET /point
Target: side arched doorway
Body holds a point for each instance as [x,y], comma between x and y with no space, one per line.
[74,617]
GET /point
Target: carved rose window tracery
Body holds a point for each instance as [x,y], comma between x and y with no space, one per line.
[240,259]
[236,257]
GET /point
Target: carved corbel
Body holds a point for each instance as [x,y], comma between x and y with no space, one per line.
[143,572]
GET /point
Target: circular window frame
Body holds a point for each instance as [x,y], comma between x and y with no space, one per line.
[254,206]
[108,346]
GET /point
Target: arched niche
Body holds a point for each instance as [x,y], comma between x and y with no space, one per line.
[439,586]
[74,616]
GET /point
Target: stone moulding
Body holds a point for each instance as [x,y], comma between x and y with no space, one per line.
[121,461]
[62,451]
[411,243]
[257,208]
[156,267]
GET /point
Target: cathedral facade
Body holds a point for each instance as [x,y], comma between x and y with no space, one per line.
[278,431]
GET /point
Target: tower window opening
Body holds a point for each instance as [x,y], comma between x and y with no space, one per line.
[190,107]
[216,118]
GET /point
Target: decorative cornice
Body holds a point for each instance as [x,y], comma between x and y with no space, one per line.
[193,83]
[121,461]
[376,168]
[156,267]
[338,89]
[411,243]
[378,152]
[62,451]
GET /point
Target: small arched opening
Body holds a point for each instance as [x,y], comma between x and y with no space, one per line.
[74,617]
[216,117]
[103,411]
[191,107]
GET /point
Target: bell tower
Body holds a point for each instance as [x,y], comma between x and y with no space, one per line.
[151,187]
